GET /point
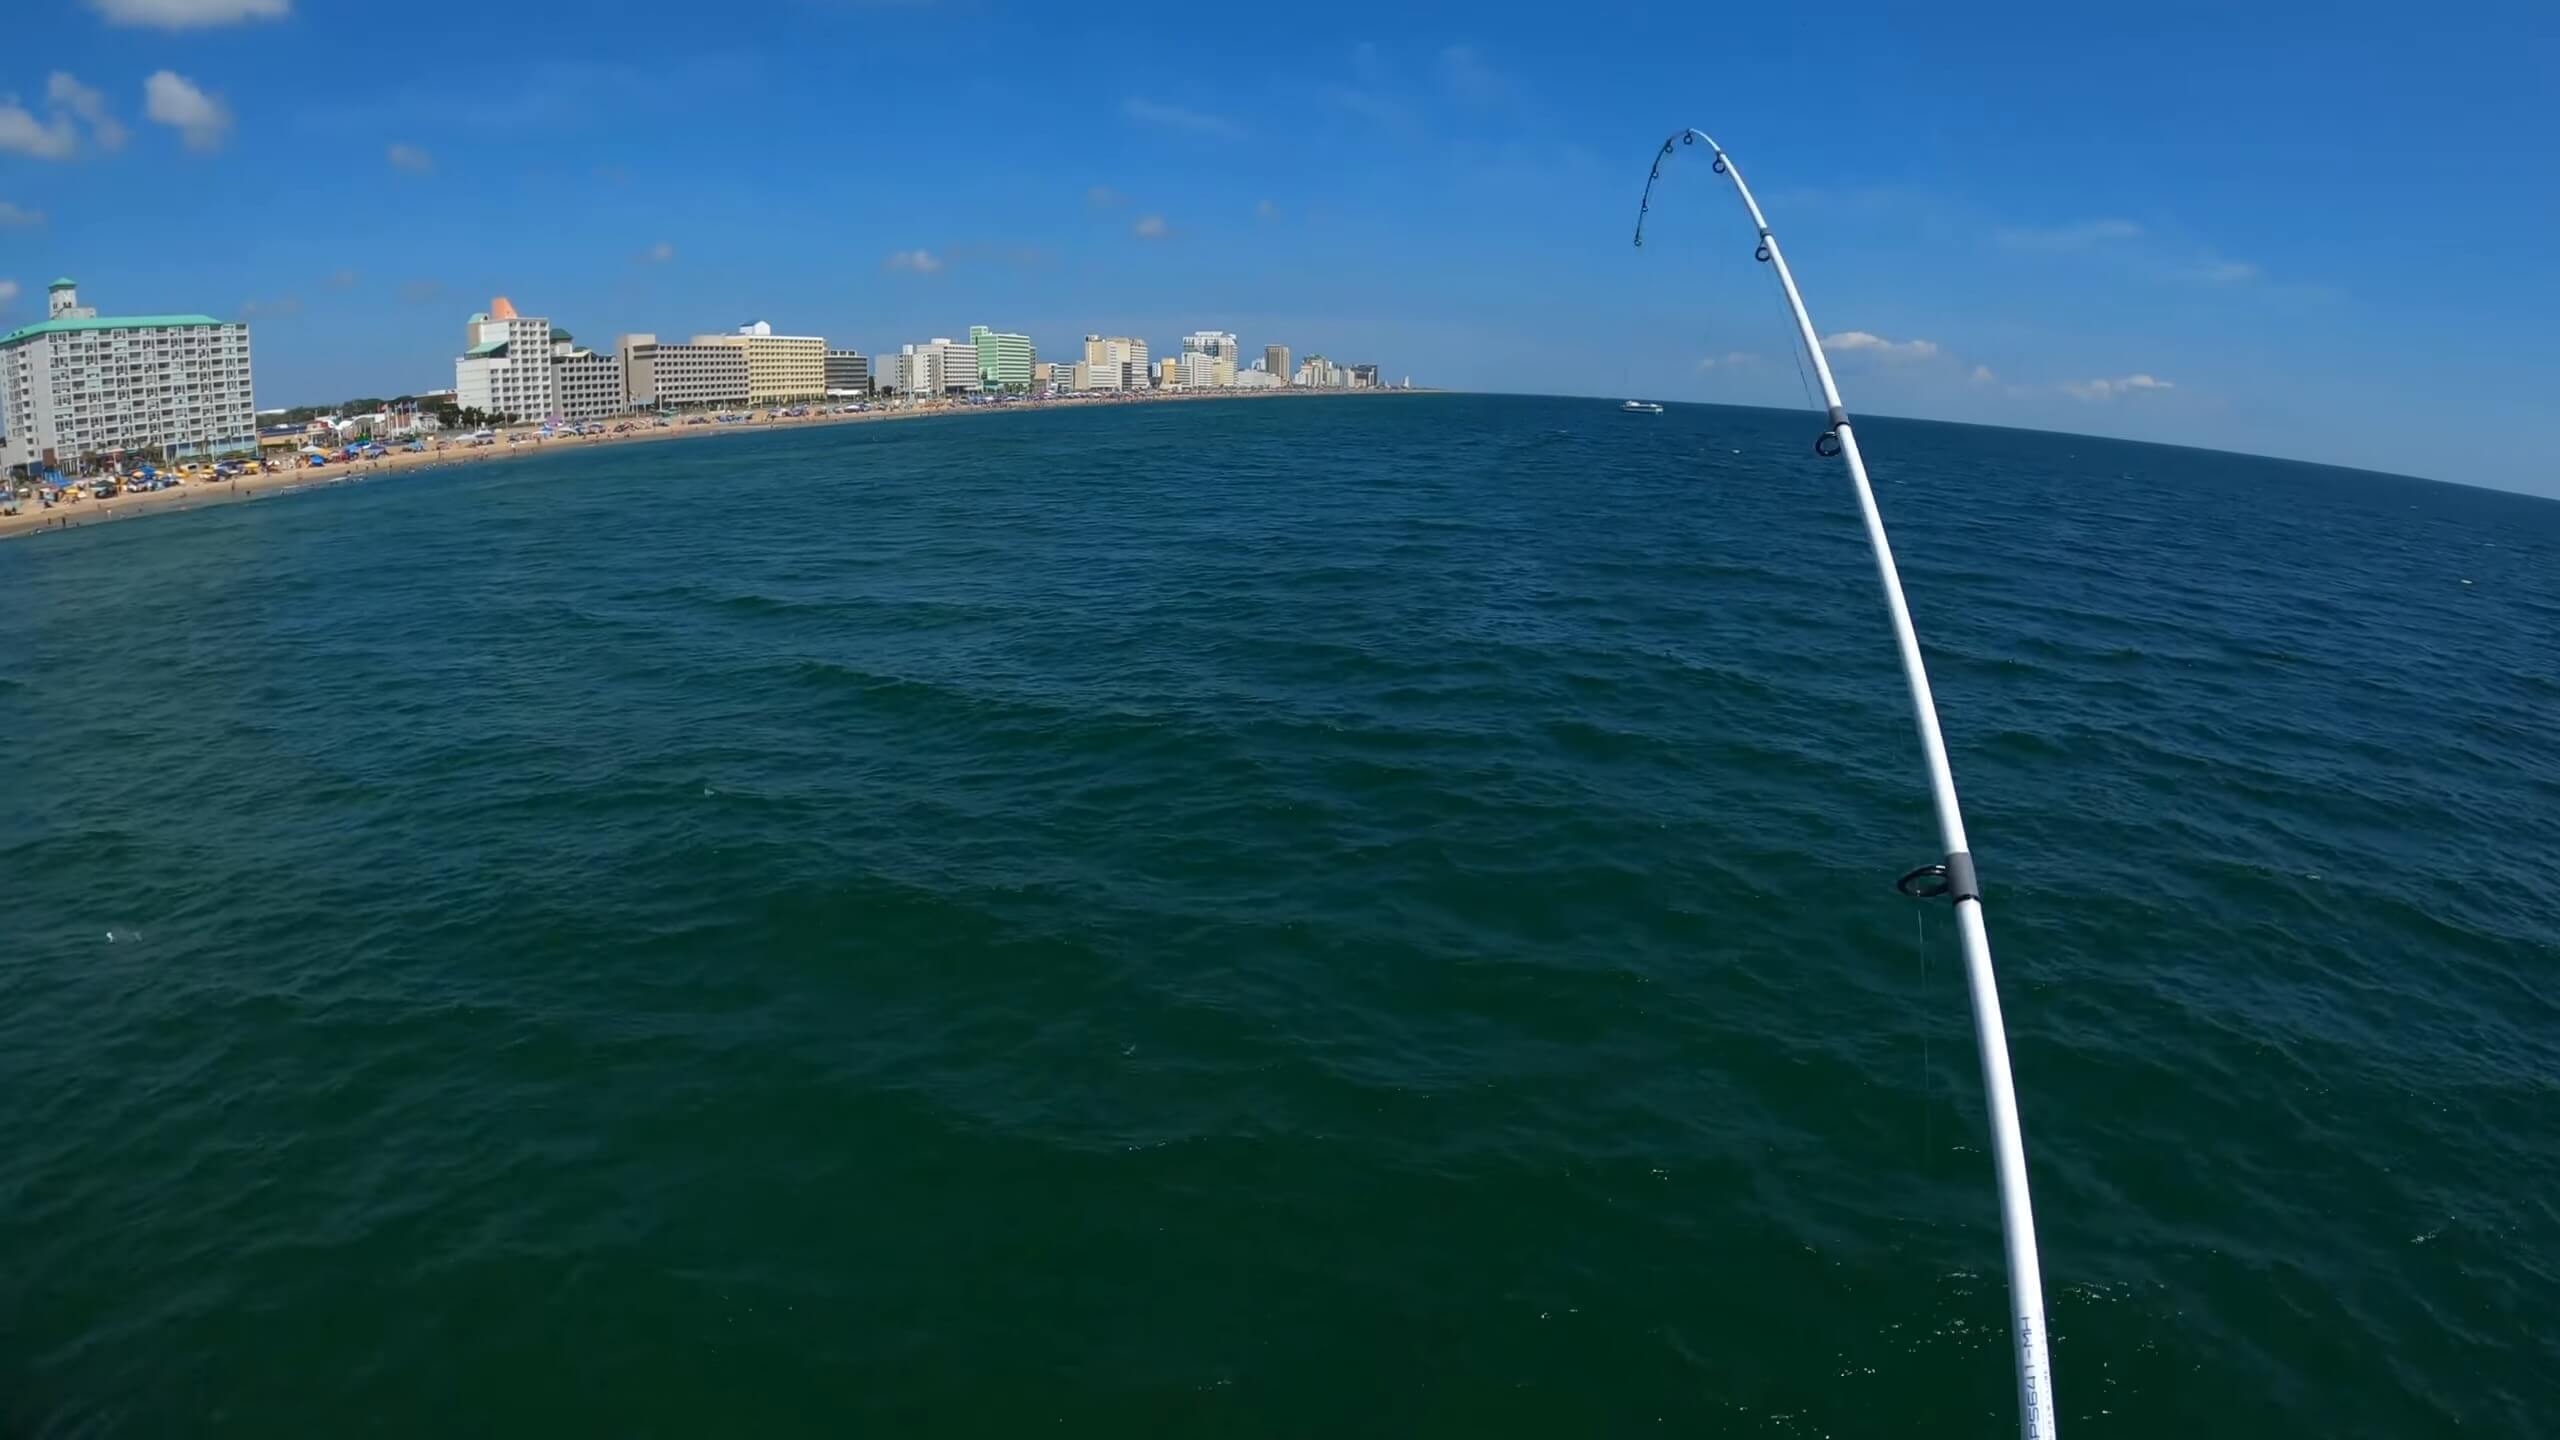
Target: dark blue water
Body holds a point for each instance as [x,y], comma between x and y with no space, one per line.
[1365,917]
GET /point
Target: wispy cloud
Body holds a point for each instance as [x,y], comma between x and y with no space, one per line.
[66,91]
[1860,342]
[922,262]
[2076,238]
[341,279]
[21,133]
[277,308]
[2110,389]
[201,120]
[658,254]
[8,291]
[1265,210]
[2214,270]
[1982,375]
[421,292]
[1729,360]
[410,158]
[1370,105]
[13,217]
[1174,117]
[1150,227]
[189,14]
[2128,244]
[1103,197]
[1467,77]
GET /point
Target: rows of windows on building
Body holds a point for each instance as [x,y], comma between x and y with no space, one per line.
[78,386]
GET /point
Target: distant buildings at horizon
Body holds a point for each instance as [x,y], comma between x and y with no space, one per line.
[77,384]
[1208,360]
[517,365]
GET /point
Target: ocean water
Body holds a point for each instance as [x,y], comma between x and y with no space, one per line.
[1318,917]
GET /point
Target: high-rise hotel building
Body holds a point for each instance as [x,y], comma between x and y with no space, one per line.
[78,383]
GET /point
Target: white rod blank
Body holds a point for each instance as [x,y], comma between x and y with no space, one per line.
[2009,1154]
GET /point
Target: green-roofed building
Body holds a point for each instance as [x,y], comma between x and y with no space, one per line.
[78,383]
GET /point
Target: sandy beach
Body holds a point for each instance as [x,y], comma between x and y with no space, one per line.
[33,519]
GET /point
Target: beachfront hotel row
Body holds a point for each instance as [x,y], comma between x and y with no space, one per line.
[519,366]
[78,384]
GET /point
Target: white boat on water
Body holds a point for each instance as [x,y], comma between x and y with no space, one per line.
[1641,407]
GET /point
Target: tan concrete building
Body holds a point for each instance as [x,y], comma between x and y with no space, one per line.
[677,377]
[779,367]
[1114,362]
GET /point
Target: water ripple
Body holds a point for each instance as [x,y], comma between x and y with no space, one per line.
[1273,919]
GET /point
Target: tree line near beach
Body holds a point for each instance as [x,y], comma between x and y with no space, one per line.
[448,414]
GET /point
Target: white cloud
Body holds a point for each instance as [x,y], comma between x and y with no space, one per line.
[1730,359]
[201,120]
[2069,239]
[8,291]
[66,91]
[12,217]
[2110,389]
[1982,376]
[21,133]
[2216,271]
[1370,106]
[923,262]
[1848,342]
[1469,78]
[410,158]
[1149,227]
[1103,197]
[189,14]
[2128,244]
[659,254]
[1174,117]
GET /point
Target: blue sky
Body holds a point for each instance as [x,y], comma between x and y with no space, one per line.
[2318,232]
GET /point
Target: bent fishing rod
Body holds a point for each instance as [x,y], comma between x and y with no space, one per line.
[1954,877]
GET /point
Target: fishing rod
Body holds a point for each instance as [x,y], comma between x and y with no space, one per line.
[1954,877]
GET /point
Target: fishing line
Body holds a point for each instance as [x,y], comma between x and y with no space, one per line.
[1953,879]
[1795,342]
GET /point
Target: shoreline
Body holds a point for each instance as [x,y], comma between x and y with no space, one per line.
[33,520]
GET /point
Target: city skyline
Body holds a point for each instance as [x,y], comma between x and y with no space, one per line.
[1982,235]
[1003,360]
[520,365]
